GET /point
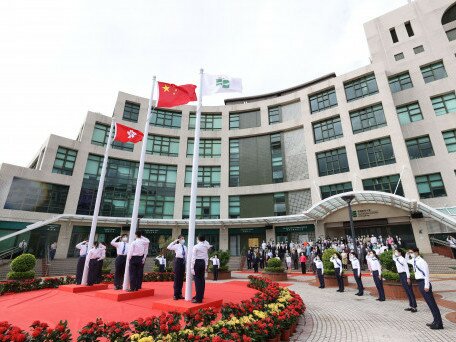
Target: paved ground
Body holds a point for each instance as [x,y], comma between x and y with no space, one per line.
[333,316]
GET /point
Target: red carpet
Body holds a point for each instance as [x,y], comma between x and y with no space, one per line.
[50,306]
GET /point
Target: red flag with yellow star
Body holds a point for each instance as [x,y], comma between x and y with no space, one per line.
[171,95]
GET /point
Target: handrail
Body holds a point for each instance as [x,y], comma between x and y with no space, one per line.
[439,242]
[10,252]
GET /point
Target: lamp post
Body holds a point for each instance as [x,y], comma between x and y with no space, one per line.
[349,199]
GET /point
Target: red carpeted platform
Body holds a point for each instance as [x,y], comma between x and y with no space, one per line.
[120,295]
[185,306]
[53,305]
[73,288]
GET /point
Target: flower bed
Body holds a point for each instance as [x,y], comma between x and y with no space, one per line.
[272,311]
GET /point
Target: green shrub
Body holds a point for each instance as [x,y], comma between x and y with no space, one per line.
[388,275]
[274,262]
[20,275]
[23,263]
[387,262]
[274,265]
[224,257]
[328,265]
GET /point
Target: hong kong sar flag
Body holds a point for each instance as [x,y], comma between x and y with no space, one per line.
[127,134]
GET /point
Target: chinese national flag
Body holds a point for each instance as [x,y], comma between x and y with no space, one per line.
[127,134]
[171,95]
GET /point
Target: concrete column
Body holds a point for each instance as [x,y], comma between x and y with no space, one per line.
[224,239]
[319,229]
[421,234]
[63,241]
[176,232]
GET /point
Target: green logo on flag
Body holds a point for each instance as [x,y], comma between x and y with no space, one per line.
[223,82]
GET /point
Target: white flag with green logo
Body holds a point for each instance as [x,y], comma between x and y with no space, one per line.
[220,84]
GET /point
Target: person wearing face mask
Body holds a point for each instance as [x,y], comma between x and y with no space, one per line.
[357,273]
[376,271]
[94,255]
[338,269]
[180,250]
[161,263]
[120,243]
[102,249]
[421,269]
[215,266]
[82,246]
[136,257]
[404,276]
[199,265]
[320,271]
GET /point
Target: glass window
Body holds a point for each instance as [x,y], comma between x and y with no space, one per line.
[29,195]
[208,176]
[249,119]
[280,205]
[323,100]
[361,87]
[327,129]
[234,121]
[207,207]
[277,158]
[209,122]
[234,207]
[418,49]
[420,147]
[131,111]
[375,153]
[334,189]
[274,115]
[208,148]
[368,118]
[385,184]
[399,56]
[332,162]
[433,72]
[100,138]
[394,35]
[65,159]
[451,34]
[444,104]
[409,28]
[450,140]
[234,162]
[162,145]
[165,118]
[409,113]
[430,186]
[400,82]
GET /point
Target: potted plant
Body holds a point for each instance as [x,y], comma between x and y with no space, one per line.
[330,273]
[22,267]
[224,270]
[392,284]
[274,270]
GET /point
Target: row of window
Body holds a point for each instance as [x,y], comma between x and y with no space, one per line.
[408,28]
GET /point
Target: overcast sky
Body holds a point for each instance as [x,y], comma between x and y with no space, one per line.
[60,59]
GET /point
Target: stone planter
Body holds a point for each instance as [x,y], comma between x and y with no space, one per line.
[394,290]
[285,336]
[282,276]
[274,339]
[222,275]
[331,281]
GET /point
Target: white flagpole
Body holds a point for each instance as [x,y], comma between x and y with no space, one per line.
[194,187]
[134,216]
[399,181]
[96,210]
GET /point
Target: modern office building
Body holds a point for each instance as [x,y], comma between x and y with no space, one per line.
[272,166]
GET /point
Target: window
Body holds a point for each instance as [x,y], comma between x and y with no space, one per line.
[385,184]
[65,159]
[418,49]
[400,82]
[444,104]
[399,56]
[209,122]
[375,153]
[235,121]
[450,140]
[361,87]
[165,118]
[409,113]
[274,115]
[208,148]
[394,35]
[280,205]
[277,158]
[451,34]
[162,146]
[367,119]
[207,207]
[248,119]
[131,111]
[433,72]
[409,28]
[332,162]
[234,162]
[208,176]
[234,207]
[100,138]
[430,186]
[323,100]
[420,147]
[334,189]
[327,130]
[29,195]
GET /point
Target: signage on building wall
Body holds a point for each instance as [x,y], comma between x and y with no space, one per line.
[155,231]
[364,213]
[202,231]
[291,229]
[238,231]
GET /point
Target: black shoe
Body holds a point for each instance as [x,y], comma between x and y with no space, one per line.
[413,310]
[131,290]
[430,324]
[436,326]
[357,294]
[361,294]
[408,309]
[338,291]
[196,301]
[176,298]
[180,297]
[380,300]
[341,291]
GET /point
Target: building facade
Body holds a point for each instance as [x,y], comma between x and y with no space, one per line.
[389,126]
